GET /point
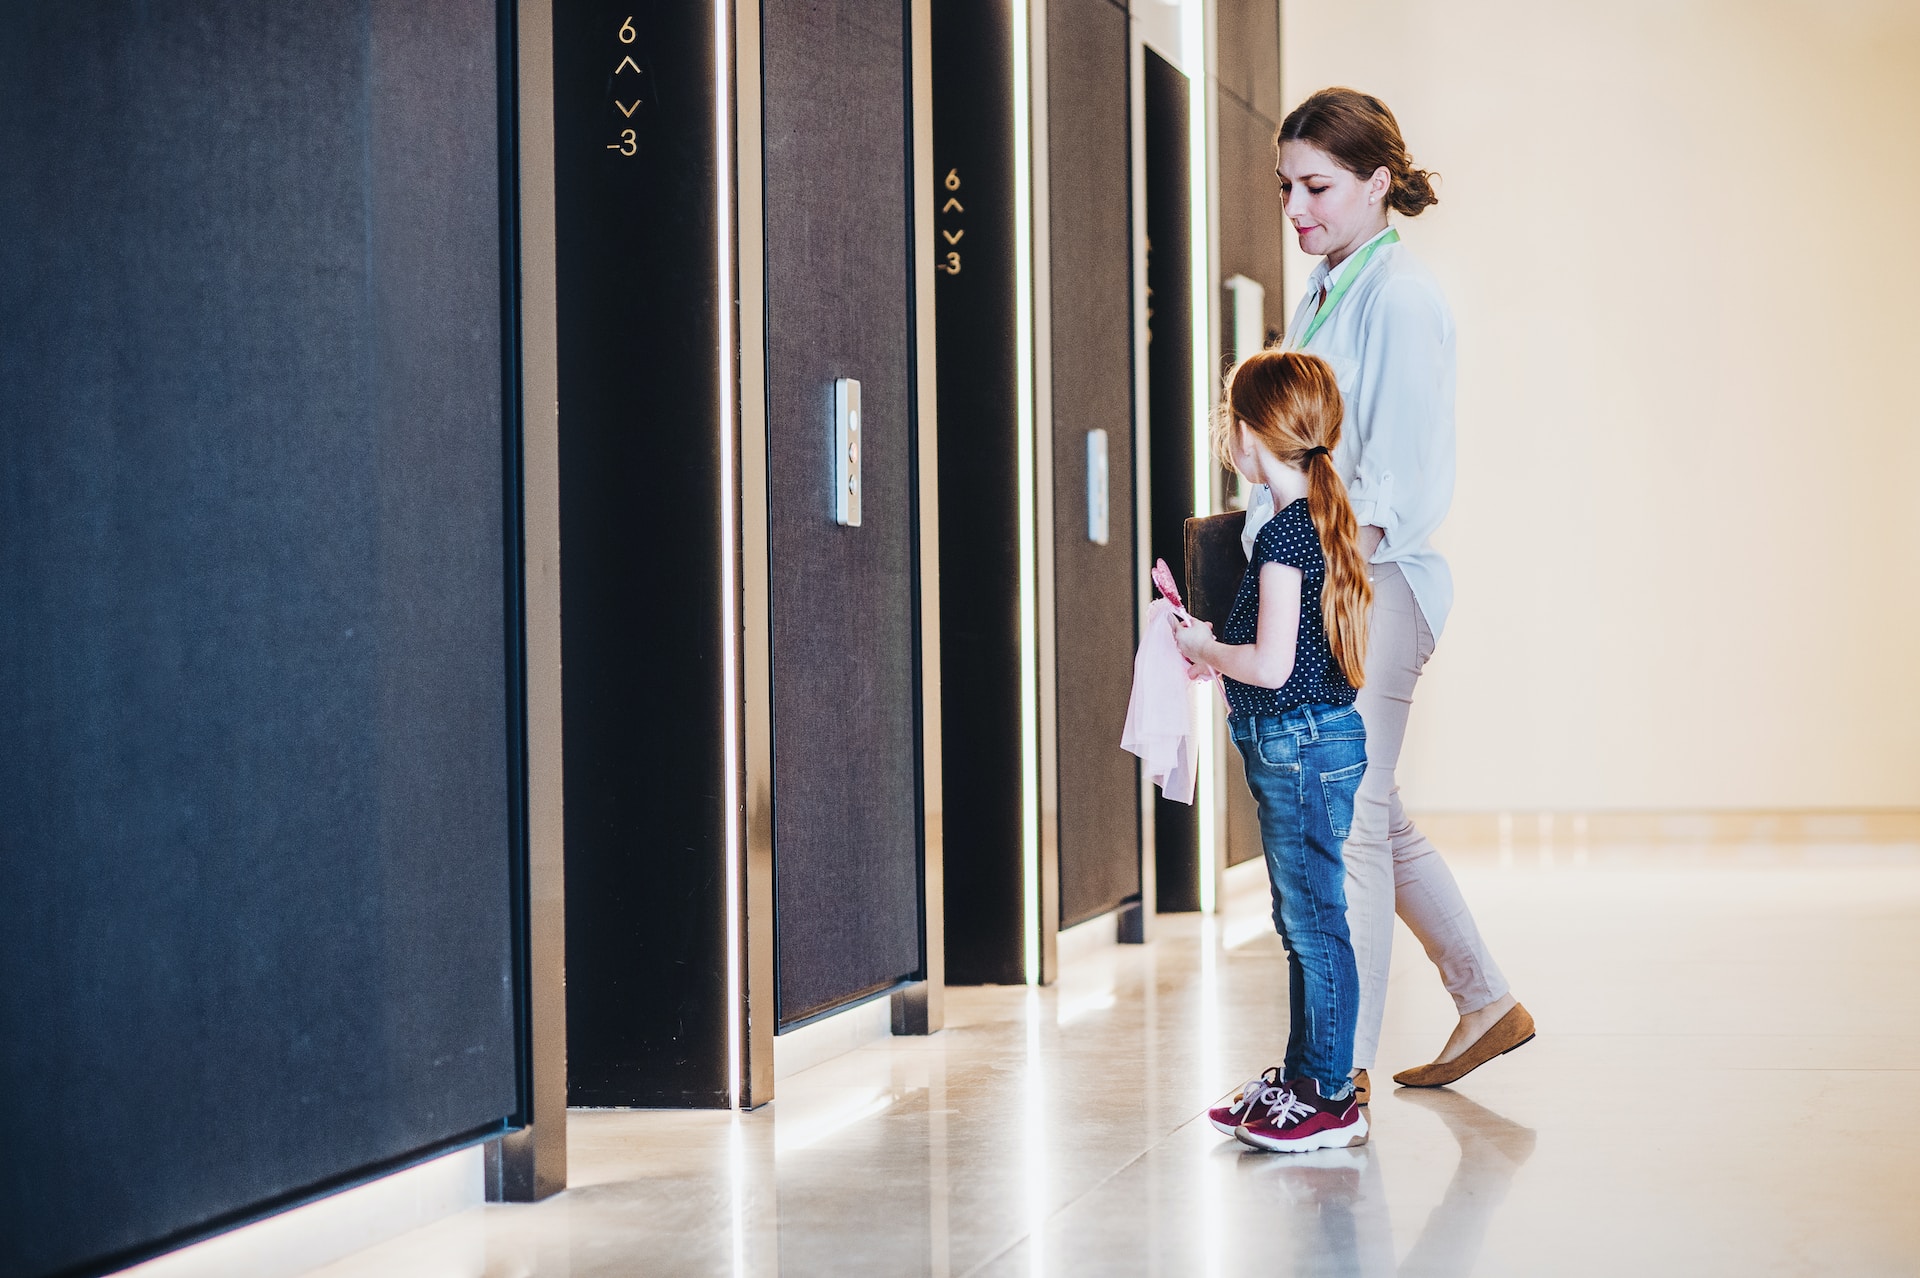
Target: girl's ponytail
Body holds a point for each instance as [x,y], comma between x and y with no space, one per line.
[1348,592]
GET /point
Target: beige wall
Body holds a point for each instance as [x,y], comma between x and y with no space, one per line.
[1685,537]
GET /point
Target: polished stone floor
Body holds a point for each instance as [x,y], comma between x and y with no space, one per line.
[1727,1081]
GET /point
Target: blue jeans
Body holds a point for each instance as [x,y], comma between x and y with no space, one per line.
[1303,768]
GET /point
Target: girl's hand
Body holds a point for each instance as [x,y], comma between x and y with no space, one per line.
[1194,639]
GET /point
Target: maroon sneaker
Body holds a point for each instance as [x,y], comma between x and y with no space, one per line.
[1295,1117]
[1226,1119]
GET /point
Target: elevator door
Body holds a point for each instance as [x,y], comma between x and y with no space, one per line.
[258,815]
[1170,411]
[1089,162]
[845,631]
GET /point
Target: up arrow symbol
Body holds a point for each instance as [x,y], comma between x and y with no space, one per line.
[628,62]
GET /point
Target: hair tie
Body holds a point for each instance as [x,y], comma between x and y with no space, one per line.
[1311,453]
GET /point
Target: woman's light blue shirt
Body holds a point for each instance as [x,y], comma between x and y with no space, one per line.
[1390,343]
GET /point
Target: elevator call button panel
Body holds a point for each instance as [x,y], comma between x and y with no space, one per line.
[846,452]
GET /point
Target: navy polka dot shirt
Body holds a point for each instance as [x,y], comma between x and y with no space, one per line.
[1288,538]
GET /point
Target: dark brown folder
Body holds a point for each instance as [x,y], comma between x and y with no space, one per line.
[1215,564]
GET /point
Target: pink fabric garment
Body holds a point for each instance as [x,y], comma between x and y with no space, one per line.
[1160,715]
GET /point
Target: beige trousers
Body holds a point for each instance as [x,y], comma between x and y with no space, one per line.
[1390,865]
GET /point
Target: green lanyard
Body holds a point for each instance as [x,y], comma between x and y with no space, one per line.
[1346,282]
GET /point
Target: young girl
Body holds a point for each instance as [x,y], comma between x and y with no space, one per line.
[1292,652]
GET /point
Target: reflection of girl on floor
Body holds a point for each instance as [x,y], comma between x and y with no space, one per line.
[1338,1198]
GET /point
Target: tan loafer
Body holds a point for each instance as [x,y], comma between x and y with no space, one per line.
[1510,1031]
[1362,1089]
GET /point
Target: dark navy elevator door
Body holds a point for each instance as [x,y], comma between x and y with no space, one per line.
[1090,206]
[846,766]
[258,819]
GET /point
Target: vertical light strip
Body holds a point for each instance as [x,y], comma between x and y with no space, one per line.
[729,575]
[1029,567]
[1193,45]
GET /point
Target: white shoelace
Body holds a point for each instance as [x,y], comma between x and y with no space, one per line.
[1250,1092]
[1283,1106]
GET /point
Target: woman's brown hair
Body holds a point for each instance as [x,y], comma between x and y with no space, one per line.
[1290,401]
[1358,131]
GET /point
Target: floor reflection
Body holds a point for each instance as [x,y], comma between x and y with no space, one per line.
[1061,1131]
[1492,1150]
[1338,1207]
[1334,1210]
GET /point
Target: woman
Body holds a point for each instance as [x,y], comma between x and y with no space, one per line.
[1379,318]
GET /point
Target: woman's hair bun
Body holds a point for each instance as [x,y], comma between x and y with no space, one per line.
[1412,191]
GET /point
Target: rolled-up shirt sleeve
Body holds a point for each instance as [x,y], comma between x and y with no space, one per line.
[1403,472]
